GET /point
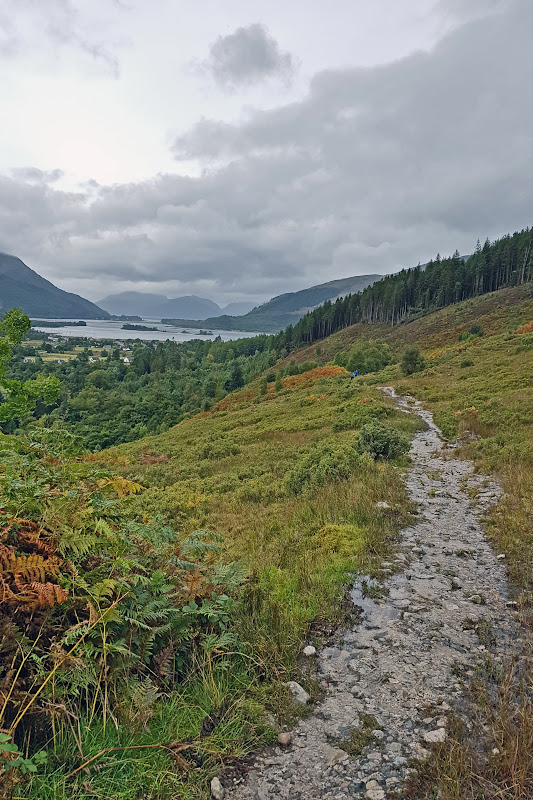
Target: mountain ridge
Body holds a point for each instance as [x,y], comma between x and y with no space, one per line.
[149,305]
[22,287]
[284,309]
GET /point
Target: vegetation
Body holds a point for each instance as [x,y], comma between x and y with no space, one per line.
[156,595]
[133,634]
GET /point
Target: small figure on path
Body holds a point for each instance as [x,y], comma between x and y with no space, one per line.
[354,374]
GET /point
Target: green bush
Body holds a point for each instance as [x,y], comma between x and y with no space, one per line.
[366,357]
[412,360]
[326,463]
[381,442]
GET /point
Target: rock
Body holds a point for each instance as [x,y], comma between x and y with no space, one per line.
[333,755]
[433,737]
[374,791]
[309,650]
[299,694]
[285,739]
[501,556]
[217,790]
[382,504]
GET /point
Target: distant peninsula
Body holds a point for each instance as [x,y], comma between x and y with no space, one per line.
[47,323]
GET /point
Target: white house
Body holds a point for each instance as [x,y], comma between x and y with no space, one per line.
[126,360]
[29,360]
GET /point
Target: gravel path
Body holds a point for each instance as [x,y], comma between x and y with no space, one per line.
[394,676]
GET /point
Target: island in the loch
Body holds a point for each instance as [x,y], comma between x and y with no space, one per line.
[129,327]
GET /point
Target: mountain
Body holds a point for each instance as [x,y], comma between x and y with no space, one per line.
[285,309]
[21,287]
[157,306]
[237,309]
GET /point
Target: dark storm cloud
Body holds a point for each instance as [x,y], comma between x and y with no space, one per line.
[247,56]
[375,169]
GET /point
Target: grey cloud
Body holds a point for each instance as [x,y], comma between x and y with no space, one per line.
[32,174]
[248,56]
[464,10]
[373,170]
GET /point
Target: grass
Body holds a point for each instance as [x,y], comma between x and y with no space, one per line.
[237,471]
[228,470]
[216,713]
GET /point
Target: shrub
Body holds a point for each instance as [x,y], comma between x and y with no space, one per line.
[381,442]
[326,463]
[365,357]
[412,360]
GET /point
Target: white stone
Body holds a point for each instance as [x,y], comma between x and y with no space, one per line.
[298,692]
[217,790]
[309,650]
[285,739]
[433,737]
[382,504]
[374,791]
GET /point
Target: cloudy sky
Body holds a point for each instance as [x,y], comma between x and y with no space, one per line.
[236,149]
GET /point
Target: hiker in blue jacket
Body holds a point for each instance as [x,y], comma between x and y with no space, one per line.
[354,374]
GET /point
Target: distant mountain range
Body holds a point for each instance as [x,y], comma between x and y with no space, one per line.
[21,287]
[157,306]
[283,310]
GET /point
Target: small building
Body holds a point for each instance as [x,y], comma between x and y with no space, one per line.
[93,360]
[59,360]
[29,360]
[126,360]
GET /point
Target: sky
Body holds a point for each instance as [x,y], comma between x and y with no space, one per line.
[237,150]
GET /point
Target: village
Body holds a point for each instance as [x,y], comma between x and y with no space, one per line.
[59,349]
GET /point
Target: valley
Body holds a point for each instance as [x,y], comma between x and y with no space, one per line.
[187,567]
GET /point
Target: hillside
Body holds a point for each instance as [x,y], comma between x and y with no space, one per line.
[220,547]
[285,309]
[21,287]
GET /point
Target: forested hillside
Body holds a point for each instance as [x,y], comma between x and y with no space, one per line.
[506,262]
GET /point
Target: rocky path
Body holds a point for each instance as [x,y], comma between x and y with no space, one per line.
[393,677]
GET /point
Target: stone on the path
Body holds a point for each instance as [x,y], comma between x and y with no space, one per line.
[382,504]
[299,694]
[374,791]
[333,755]
[284,739]
[309,650]
[217,790]
[434,737]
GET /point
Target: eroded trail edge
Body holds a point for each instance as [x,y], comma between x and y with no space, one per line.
[394,677]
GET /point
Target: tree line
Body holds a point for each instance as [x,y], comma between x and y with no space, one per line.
[412,292]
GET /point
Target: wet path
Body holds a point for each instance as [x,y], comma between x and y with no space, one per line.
[394,676]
